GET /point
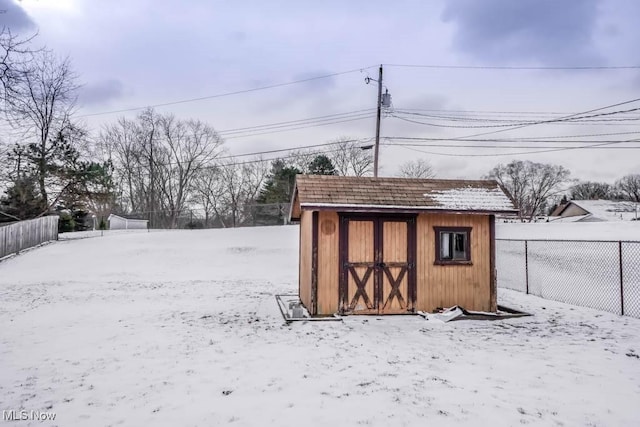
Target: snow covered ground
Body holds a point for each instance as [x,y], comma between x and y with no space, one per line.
[182,328]
[621,230]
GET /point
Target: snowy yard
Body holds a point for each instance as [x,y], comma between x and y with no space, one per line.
[182,328]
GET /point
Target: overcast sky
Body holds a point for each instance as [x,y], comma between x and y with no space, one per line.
[136,53]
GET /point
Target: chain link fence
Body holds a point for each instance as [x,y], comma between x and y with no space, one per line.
[631,277]
[595,274]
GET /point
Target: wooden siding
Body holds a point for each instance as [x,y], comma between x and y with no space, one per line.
[361,250]
[446,285]
[306,240]
[394,249]
[328,263]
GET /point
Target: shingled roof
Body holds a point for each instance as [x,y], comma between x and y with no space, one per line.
[366,194]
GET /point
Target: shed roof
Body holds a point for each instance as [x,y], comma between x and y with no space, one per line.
[367,194]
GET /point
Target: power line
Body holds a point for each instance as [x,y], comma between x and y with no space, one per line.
[220,95]
[258,153]
[499,67]
[268,160]
[294,125]
[561,113]
[571,118]
[296,122]
[273,86]
[575,136]
[295,148]
[561,118]
[516,154]
[303,127]
[502,119]
[543,139]
[260,160]
[512,147]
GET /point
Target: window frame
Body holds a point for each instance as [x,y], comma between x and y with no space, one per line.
[467,247]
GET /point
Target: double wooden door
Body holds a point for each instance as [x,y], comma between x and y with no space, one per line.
[377,258]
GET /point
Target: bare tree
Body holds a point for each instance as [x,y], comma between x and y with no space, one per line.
[41,106]
[629,187]
[208,193]
[120,143]
[159,158]
[188,146]
[128,144]
[350,159]
[419,168]
[16,55]
[530,184]
[590,190]
[237,187]
[301,159]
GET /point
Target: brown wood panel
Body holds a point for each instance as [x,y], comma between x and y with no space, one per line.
[493,281]
[448,285]
[394,251]
[361,250]
[328,263]
[306,240]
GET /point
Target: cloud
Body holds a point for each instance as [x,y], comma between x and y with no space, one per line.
[431,101]
[238,36]
[550,32]
[101,93]
[451,167]
[314,83]
[14,17]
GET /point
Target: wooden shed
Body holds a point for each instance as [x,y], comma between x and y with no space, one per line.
[396,245]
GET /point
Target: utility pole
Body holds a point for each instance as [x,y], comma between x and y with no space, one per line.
[377,146]
[152,182]
[383,101]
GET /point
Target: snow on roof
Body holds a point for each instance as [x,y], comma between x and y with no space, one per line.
[576,218]
[362,193]
[471,198]
[609,210]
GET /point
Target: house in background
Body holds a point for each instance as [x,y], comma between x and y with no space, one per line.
[396,245]
[596,211]
[117,222]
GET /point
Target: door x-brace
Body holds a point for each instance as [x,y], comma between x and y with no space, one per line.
[395,285]
[360,291]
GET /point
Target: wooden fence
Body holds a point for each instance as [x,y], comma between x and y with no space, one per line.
[27,234]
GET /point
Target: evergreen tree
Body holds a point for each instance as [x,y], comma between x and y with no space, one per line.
[21,201]
[276,194]
[322,165]
[89,190]
[279,184]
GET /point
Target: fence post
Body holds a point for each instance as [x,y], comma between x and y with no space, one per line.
[621,279]
[526,264]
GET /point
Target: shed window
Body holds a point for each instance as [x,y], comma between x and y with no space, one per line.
[453,245]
